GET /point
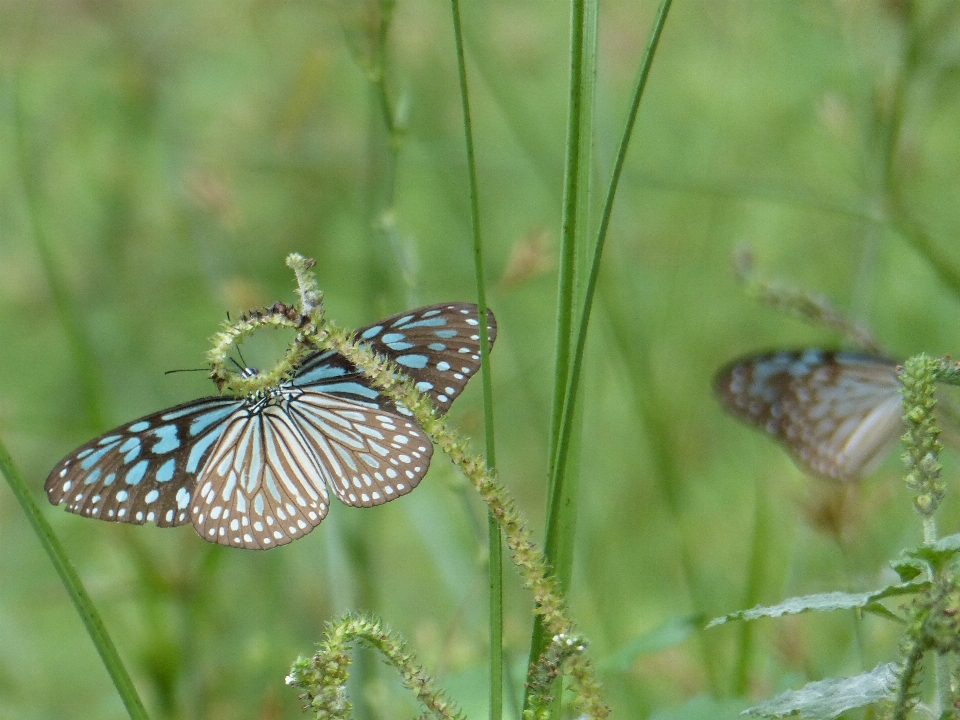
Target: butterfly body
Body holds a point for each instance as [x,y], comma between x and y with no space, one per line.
[837,412]
[256,472]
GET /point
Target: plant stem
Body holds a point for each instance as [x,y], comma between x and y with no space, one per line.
[902,707]
[78,594]
[558,494]
[495,546]
[560,449]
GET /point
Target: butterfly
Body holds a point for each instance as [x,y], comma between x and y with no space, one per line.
[257,472]
[836,412]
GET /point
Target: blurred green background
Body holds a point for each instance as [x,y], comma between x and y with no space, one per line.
[158,160]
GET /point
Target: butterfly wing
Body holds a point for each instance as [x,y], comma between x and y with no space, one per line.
[370,457]
[145,470]
[266,482]
[438,347]
[837,412]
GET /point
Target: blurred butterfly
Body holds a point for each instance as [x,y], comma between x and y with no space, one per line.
[256,472]
[836,412]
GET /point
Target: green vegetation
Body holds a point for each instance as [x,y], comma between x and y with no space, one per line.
[158,161]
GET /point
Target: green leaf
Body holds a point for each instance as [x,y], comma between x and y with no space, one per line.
[910,568]
[821,602]
[883,611]
[950,543]
[928,559]
[829,698]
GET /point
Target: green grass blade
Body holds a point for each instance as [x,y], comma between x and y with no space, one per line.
[590,291]
[495,565]
[560,496]
[560,508]
[78,594]
[568,233]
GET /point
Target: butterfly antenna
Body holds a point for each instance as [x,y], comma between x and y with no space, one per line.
[170,372]
[244,366]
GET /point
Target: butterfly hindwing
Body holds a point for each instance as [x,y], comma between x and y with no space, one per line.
[837,412]
[266,482]
[369,456]
[145,470]
[263,486]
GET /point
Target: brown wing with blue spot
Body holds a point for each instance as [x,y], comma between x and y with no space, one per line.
[837,412]
[145,470]
[437,346]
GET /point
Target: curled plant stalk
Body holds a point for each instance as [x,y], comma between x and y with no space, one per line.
[247,383]
[278,315]
[315,332]
[323,677]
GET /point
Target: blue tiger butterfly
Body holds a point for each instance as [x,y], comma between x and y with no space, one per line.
[836,412]
[256,472]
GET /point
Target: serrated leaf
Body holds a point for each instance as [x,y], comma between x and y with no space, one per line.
[949,543]
[910,568]
[821,602]
[827,699]
[932,557]
[882,611]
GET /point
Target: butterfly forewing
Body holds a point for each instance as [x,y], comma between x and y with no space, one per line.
[437,346]
[145,470]
[837,412]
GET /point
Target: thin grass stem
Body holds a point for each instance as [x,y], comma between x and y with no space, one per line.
[565,297]
[78,594]
[590,291]
[568,233]
[495,549]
